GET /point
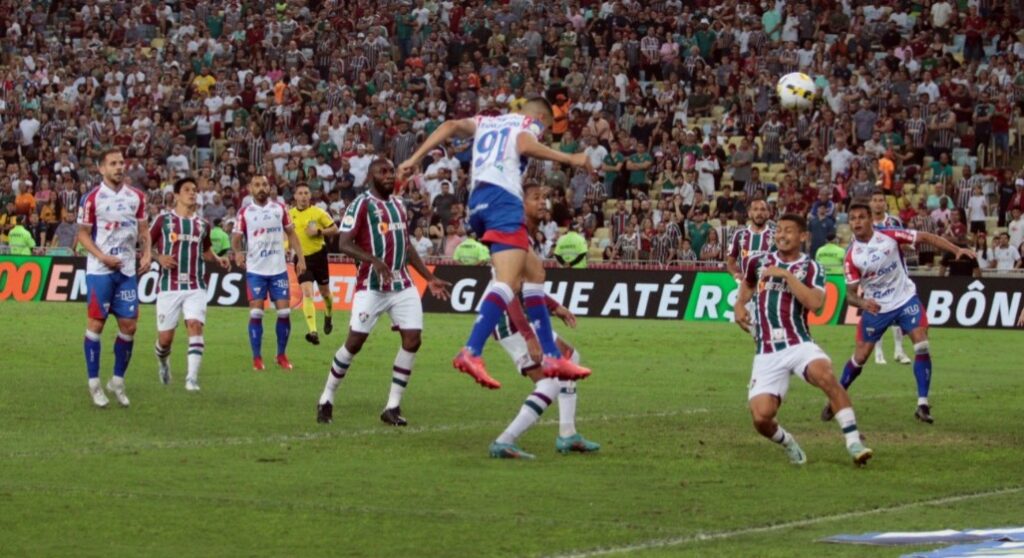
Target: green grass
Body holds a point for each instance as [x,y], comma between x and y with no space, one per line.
[243,469]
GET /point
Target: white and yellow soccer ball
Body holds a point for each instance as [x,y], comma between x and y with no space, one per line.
[796,91]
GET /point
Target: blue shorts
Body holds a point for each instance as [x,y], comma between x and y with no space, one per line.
[908,317]
[260,286]
[498,217]
[112,293]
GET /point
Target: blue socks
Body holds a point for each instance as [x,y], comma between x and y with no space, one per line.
[284,329]
[92,354]
[850,372]
[256,332]
[122,353]
[496,300]
[535,301]
[922,369]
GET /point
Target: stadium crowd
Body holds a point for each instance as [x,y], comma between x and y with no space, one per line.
[672,100]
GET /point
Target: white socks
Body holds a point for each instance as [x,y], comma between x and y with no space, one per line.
[848,423]
[400,377]
[195,356]
[342,360]
[782,437]
[567,403]
[544,392]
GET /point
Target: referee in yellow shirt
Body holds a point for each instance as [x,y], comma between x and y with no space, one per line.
[312,225]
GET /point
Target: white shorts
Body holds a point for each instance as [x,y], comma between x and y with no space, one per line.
[515,346]
[404,307]
[772,370]
[171,304]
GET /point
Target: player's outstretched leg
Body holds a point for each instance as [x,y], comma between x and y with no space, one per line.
[763,409]
[284,330]
[339,369]
[401,371]
[256,337]
[91,347]
[554,365]
[494,305]
[569,440]
[819,374]
[923,376]
[545,390]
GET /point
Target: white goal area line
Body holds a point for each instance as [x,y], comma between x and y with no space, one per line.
[652,544]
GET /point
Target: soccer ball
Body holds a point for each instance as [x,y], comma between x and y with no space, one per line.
[796,91]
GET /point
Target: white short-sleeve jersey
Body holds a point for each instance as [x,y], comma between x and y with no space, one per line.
[114,216]
[496,158]
[877,266]
[264,227]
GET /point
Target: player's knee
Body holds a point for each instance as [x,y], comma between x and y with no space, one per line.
[354,343]
[256,314]
[411,341]
[129,329]
[921,348]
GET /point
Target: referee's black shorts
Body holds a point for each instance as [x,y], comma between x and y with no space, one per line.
[317,269]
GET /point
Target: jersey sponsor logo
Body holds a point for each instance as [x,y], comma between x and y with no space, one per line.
[384,228]
[265,230]
[175,237]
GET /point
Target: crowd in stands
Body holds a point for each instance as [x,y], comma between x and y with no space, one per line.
[674,102]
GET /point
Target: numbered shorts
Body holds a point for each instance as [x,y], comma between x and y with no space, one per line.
[317,269]
[497,216]
[171,305]
[259,287]
[113,293]
[515,346]
[403,307]
[772,370]
[907,317]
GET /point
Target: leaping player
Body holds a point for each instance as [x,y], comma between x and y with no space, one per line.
[501,148]
[264,224]
[874,264]
[181,243]
[111,221]
[785,285]
[880,219]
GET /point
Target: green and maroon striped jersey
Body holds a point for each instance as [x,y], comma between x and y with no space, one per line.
[746,244]
[381,229]
[780,321]
[185,238]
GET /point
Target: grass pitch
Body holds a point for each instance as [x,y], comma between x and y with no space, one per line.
[242,468]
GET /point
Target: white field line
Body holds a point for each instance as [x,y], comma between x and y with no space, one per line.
[328,433]
[722,535]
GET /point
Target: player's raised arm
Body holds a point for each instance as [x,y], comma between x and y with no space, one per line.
[463,127]
[943,244]
[529,146]
[811,297]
